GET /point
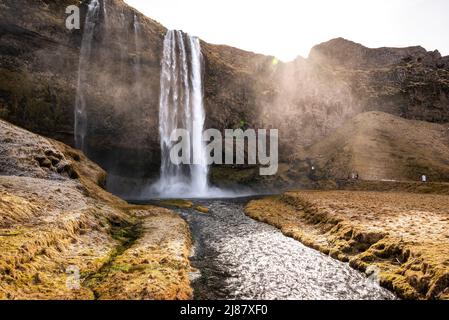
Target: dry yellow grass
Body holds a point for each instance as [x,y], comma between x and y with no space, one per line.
[55,219]
[155,266]
[405,235]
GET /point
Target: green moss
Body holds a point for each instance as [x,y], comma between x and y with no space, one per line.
[10,233]
[126,233]
[178,203]
[121,267]
[202,209]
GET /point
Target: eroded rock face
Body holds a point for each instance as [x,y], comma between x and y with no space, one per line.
[305,99]
[409,82]
[38,58]
[39,66]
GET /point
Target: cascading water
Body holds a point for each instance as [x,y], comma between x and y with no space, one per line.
[181,97]
[137,62]
[105,13]
[200,170]
[122,34]
[86,48]
[181,106]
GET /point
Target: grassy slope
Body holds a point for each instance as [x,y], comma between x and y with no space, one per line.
[54,215]
[382,146]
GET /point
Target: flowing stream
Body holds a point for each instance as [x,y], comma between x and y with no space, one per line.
[240,258]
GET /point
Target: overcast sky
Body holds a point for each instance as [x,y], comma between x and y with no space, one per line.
[288,28]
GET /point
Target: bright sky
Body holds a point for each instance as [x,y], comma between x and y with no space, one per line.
[288,28]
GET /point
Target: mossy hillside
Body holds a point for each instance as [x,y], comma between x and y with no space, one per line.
[51,222]
[125,232]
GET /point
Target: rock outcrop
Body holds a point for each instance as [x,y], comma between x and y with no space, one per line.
[408,82]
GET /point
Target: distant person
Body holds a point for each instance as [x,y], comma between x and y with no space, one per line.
[424,178]
[312,173]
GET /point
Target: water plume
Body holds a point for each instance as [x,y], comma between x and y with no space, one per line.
[86,48]
[181,106]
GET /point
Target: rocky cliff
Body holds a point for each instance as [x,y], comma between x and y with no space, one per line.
[39,67]
[409,82]
[305,99]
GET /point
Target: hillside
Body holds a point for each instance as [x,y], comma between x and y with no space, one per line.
[408,82]
[380,146]
[63,237]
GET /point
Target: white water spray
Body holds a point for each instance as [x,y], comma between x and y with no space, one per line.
[137,60]
[105,13]
[86,49]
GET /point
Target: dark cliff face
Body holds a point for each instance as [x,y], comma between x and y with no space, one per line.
[408,82]
[305,99]
[39,74]
[38,59]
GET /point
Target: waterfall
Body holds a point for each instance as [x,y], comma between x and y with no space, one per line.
[137,62]
[86,48]
[181,106]
[199,171]
[105,13]
[122,34]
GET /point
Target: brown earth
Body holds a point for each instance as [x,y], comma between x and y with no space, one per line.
[56,222]
[379,146]
[404,235]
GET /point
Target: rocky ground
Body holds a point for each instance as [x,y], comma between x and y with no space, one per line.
[402,236]
[63,237]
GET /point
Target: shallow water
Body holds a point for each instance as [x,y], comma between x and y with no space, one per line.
[240,258]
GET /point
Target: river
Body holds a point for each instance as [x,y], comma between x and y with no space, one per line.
[240,258]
